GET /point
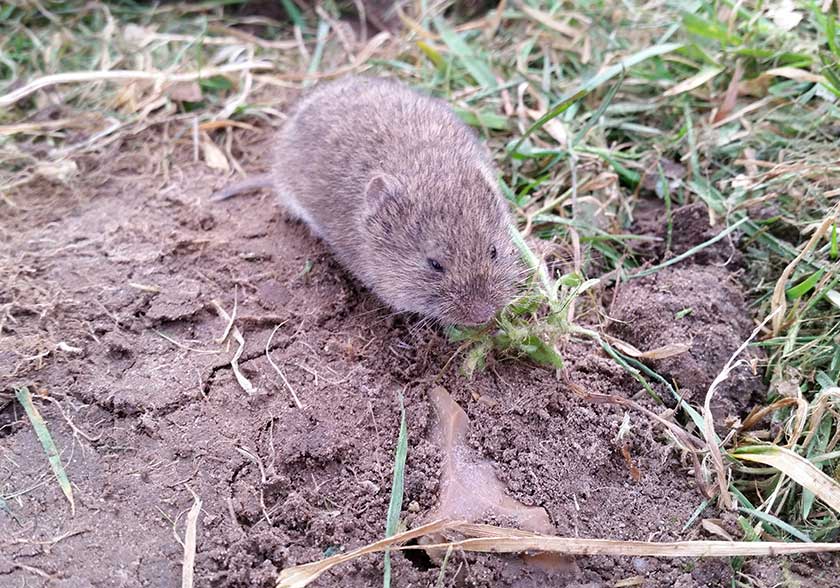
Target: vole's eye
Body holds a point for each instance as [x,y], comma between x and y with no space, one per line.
[435,265]
[492,252]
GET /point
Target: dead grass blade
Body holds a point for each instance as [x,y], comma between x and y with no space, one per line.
[778,301]
[187,572]
[663,352]
[491,539]
[743,112]
[43,434]
[796,74]
[180,345]
[361,61]
[303,575]
[757,414]
[708,418]
[75,77]
[79,122]
[549,22]
[685,440]
[229,318]
[234,363]
[277,368]
[796,467]
[730,98]
[704,75]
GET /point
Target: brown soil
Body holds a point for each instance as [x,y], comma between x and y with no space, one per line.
[700,306]
[124,259]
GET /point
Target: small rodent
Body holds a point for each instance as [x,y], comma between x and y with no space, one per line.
[404,194]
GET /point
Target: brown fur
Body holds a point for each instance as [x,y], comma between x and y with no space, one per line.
[392,179]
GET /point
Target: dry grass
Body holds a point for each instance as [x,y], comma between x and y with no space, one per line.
[490,539]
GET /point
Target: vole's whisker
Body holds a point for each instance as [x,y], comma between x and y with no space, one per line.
[412,329]
[421,325]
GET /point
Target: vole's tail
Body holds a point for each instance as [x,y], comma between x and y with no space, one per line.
[246,185]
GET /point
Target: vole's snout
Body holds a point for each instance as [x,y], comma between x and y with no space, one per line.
[478,313]
[476,301]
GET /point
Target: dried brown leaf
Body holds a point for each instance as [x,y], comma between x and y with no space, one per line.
[214,157]
[731,96]
[185,92]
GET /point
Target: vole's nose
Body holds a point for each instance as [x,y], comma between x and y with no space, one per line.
[480,312]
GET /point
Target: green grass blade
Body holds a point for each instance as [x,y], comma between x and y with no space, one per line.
[817,447]
[605,103]
[483,119]
[318,54]
[692,413]
[533,262]
[294,13]
[831,35]
[442,572]
[397,488]
[710,30]
[694,516]
[433,56]
[632,367]
[805,286]
[25,399]
[477,68]
[831,73]
[776,522]
[595,82]
[739,496]
[808,499]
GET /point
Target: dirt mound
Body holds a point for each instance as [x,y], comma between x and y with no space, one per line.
[700,306]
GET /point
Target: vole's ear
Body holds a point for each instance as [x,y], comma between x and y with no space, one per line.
[381,190]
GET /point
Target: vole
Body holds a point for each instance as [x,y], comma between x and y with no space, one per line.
[403,193]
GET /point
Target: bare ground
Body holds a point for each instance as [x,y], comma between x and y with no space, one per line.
[122,268]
